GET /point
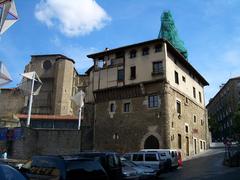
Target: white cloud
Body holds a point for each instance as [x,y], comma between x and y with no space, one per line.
[72,17]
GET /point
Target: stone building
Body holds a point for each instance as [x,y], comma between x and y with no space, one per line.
[52,112]
[60,82]
[221,108]
[147,95]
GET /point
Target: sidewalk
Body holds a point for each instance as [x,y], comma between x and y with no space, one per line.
[209,152]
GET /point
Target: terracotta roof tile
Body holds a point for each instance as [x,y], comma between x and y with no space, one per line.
[47,117]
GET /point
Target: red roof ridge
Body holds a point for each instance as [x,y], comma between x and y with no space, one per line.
[47,117]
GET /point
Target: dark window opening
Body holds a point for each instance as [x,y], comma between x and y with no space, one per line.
[200,97]
[178,104]
[133,72]
[186,128]
[157,67]
[112,107]
[194,119]
[126,107]
[176,77]
[194,92]
[145,51]
[183,79]
[158,48]
[120,76]
[133,53]
[179,141]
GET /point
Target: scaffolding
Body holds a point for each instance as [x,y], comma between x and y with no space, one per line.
[169,32]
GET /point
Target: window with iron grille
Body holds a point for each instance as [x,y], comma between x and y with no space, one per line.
[153,101]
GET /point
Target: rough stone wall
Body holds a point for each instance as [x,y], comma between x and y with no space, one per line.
[198,129]
[63,87]
[48,141]
[11,102]
[126,132]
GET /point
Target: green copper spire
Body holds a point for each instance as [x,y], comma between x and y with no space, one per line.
[168,31]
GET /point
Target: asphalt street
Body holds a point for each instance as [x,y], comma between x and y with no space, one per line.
[206,166]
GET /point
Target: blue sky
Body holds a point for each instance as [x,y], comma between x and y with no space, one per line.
[210,30]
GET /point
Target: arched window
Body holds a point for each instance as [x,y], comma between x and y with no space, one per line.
[151,143]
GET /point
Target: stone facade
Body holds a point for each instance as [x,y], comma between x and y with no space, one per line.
[54,116]
[148,96]
[48,141]
[11,102]
[222,107]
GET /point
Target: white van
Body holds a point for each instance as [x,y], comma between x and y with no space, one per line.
[149,159]
[169,155]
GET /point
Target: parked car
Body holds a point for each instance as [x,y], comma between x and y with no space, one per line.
[64,168]
[130,173]
[9,173]
[172,157]
[109,160]
[148,159]
[143,171]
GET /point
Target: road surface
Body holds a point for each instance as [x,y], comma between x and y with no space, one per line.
[206,166]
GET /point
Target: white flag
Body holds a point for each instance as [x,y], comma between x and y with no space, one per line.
[79,98]
[26,83]
[4,75]
[8,14]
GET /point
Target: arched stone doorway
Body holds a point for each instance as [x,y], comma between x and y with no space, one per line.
[151,143]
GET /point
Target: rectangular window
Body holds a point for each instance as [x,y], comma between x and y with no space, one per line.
[194,118]
[112,107]
[133,53]
[126,107]
[176,77]
[183,79]
[153,101]
[120,75]
[150,157]
[186,128]
[133,72]
[137,157]
[178,107]
[194,92]
[158,48]
[179,141]
[200,97]
[145,51]
[157,67]
[202,122]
